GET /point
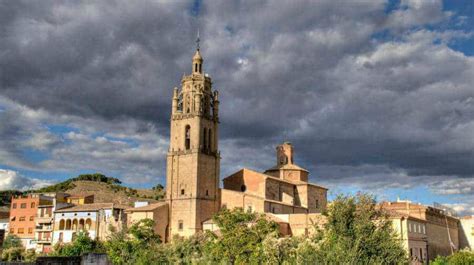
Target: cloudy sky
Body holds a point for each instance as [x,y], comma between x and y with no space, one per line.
[376,96]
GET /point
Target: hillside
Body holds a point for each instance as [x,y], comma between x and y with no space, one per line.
[104,192]
[104,189]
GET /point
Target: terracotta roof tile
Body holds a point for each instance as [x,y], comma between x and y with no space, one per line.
[90,207]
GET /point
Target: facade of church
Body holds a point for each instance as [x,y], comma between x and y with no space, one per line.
[193,194]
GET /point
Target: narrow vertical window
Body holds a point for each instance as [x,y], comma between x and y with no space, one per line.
[187,137]
[180,225]
[182,191]
[204,139]
[200,70]
[209,142]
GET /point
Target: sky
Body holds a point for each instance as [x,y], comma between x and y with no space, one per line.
[375,96]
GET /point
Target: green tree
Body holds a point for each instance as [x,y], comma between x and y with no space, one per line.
[240,237]
[13,254]
[186,250]
[12,241]
[82,244]
[144,231]
[13,250]
[136,245]
[357,232]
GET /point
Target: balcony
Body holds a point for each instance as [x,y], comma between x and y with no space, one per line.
[43,228]
[44,220]
[43,241]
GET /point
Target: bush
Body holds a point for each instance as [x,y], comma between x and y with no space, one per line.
[462,257]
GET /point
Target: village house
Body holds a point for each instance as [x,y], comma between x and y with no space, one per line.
[95,219]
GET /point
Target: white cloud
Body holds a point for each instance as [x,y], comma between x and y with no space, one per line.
[12,180]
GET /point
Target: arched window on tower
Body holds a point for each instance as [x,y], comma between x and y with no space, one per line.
[195,67]
[187,137]
[209,142]
[200,70]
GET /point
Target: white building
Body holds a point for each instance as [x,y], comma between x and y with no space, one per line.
[93,219]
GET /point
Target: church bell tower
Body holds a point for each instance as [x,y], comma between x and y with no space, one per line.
[193,161]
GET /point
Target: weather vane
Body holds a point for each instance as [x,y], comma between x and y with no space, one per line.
[197,41]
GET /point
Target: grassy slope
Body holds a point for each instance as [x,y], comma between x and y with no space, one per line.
[103,188]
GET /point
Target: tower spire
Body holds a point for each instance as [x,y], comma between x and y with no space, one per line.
[197,59]
[197,41]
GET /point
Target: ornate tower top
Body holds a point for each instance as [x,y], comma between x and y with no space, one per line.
[197,58]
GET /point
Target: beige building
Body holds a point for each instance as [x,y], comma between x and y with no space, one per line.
[412,233]
[466,232]
[44,221]
[158,212]
[283,189]
[193,195]
[442,230]
[193,161]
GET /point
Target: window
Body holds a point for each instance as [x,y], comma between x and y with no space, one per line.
[61,225]
[243,188]
[60,237]
[21,230]
[209,142]
[204,139]
[30,230]
[88,224]
[22,218]
[207,192]
[14,206]
[182,191]
[12,230]
[33,205]
[187,137]
[180,225]
[317,203]
[32,218]
[13,218]
[23,206]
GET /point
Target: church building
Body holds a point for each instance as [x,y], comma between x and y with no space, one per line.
[193,193]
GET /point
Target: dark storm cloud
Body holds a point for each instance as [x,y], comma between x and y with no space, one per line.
[358,108]
[110,59]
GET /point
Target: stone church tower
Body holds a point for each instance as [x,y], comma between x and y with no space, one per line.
[193,162]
